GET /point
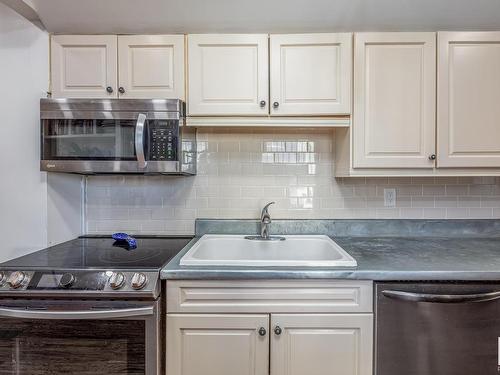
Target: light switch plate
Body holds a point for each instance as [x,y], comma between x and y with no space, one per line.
[389,197]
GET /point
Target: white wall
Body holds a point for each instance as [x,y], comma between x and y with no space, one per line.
[23,188]
[34,211]
[64,207]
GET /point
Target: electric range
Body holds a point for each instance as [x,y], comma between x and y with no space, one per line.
[85,306]
[93,267]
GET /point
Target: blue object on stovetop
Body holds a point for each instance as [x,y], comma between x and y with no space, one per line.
[124,238]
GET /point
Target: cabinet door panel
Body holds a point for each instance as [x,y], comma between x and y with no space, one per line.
[200,344]
[228,74]
[468,99]
[83,66]
[394,100]
[311,74]
[322,344]
[151,66]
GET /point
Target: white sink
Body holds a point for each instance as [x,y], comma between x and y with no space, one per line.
[294,251]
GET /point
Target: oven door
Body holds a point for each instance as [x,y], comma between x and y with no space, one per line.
[75,337]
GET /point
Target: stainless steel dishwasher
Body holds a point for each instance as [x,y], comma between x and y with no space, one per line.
[437,329]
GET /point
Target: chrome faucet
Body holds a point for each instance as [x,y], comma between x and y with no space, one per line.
[265,222]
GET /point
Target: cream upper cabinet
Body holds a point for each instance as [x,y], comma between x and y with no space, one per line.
[228,74]
[469,99]
[84,66]
[321,344]
[224,344]
[110,66]
[151,66]
[394,100]
[310,74]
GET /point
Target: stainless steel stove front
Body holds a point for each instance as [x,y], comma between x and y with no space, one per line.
[80,322]
[41,337]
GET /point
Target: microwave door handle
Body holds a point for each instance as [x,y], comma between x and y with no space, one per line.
[139,140]
[440,298]
[71,315]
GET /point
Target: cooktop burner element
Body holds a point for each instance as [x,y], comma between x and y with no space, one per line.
[92,267]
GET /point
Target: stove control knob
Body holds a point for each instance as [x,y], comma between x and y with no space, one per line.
[116,280]
[2,278]
[67,280]
[139,281]
[16,279]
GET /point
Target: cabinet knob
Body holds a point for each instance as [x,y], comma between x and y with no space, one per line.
[121,90]
[277,330]
[276,105]
[109,89]
[262,331]
[262,103]
[432,157]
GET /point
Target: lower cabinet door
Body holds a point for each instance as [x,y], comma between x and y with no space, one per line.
[321,344]
[199,344]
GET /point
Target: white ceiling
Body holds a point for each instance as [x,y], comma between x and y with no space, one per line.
[190,16]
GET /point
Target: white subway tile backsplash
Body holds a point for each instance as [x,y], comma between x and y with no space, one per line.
[434,213]
[446,202]
[239,170]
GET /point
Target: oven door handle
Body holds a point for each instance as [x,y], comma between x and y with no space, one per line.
[72,315]
[440,298]
[139,140]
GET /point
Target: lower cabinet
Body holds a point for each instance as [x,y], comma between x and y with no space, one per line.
[277,327]
[321,344]
[284,344]
[199,344]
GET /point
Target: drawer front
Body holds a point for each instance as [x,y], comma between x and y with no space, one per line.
[269,296]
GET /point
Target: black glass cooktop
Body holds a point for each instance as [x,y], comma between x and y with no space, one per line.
[101,253]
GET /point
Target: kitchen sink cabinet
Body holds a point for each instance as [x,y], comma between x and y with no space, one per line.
[110,66]
[468,99]
[199,344]
[277,327]
[321,344]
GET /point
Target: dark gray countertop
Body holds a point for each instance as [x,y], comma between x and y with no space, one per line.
[466,254]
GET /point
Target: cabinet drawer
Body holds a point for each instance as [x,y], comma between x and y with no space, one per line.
[269,296]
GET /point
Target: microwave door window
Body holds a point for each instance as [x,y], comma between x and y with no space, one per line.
[82,139]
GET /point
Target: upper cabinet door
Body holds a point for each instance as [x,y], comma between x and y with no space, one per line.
[394,100]
[151,66]
[311,74]
[84,66]
[228,74]
[320,344]
[469,99]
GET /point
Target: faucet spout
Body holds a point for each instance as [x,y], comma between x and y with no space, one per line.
[265,222]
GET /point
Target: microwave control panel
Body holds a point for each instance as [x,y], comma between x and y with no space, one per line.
[163,137]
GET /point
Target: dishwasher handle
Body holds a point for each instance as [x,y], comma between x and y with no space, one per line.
[440,298]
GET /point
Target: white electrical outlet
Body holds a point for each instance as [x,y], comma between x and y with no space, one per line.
[389,197]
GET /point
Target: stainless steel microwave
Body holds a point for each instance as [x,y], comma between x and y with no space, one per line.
[121,136]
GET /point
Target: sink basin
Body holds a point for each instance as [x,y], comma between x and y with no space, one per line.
[294,251]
